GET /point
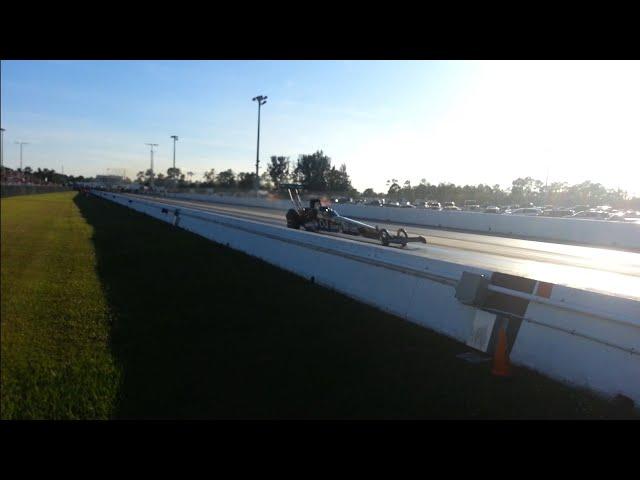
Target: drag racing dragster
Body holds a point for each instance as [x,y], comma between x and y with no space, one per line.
[318,217]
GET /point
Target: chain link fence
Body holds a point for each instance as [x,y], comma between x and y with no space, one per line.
[13,190]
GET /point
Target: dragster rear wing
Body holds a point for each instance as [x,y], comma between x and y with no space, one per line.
[291,189]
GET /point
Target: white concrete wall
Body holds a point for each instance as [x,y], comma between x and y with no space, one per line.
[568,356]
[395,282]
[588,232]
[592,232]
[427,303]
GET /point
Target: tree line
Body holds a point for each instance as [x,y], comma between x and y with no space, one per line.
[40,176]
[314,171]
[226,179]
[521,192]
[317,174]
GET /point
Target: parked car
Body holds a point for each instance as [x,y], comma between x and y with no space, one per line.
[448,204]
[534,212]
[434,205]
[617,217]
[581,208]
[559,212]
[592,214]
[392,204]
[492,209]
[375,203]
[407,205]
[471,205]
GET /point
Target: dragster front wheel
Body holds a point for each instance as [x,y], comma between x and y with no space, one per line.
[402,236]
[384,237]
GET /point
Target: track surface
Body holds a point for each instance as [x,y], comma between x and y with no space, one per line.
[601,270]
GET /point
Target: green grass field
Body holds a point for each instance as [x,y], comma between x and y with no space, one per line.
[107,313]
[56,361]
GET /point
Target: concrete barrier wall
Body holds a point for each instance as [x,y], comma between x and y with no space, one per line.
[566,345]
[373,274]
[568,352]
[592,232]
[588,232]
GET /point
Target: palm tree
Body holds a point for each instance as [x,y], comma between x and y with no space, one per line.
[209,175]
[173,173]
[190,175]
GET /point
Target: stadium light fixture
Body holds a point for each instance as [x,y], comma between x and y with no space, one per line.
[151,145]
[261,99]
[175,139]
[21,144]
[1,148]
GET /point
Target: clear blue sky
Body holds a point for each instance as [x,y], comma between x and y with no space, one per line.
[464,122]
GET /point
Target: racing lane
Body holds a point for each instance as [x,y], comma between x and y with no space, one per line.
[601,270]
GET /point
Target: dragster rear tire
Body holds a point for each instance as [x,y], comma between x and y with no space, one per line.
[293,219]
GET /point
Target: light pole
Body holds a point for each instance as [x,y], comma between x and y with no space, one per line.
[261,101]
[1,148]
[175,139]
[174,181]
[21,144]
[151,145]
[546,188]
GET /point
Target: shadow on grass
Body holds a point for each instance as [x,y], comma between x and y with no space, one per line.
[202,331]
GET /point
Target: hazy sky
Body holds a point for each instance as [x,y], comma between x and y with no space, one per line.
[463,122]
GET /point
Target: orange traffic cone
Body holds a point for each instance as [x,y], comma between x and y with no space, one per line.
[501,365]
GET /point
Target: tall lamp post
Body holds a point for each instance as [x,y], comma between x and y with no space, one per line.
[1,148]
[546,188]
[21,144]
[151,145]
[261,101]
[174,180]
[175,139]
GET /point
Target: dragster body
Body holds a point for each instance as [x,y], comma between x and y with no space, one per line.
[317,218]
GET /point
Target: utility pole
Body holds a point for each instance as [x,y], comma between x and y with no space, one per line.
[174,180]
[546,188]
[21,144]
[1,148]
[548,151]
[151,145]
[175,139]
[261,101]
